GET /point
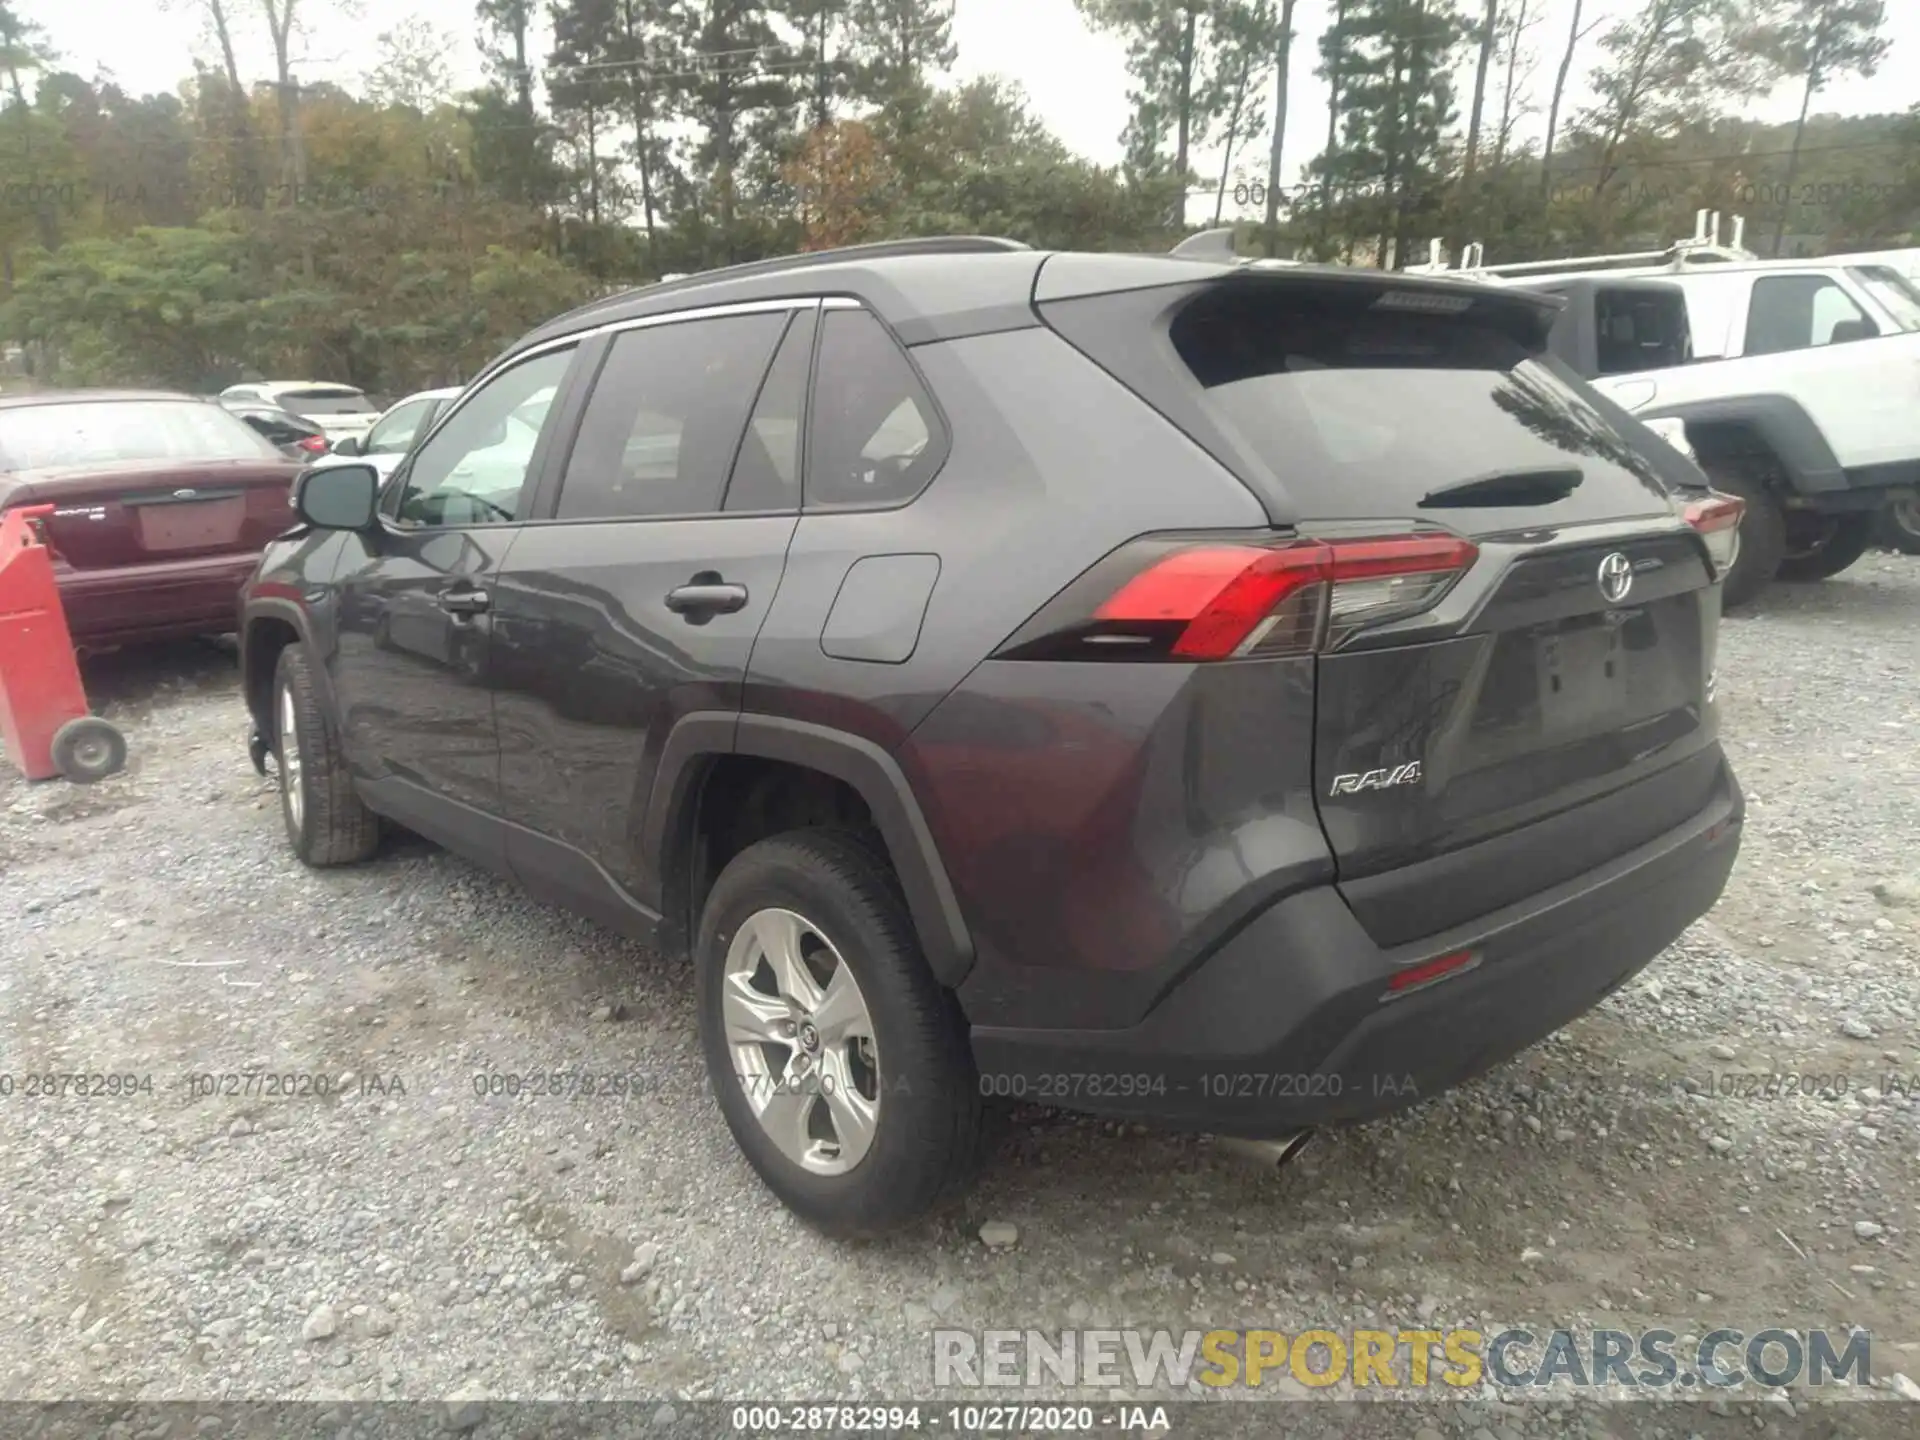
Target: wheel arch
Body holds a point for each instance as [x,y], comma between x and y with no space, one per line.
[269,627]
[1778,423]
[673,819]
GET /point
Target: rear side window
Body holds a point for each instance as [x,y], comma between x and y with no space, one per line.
[1367,412]
[876,438]
[766,472]
[666,416]
[1798,312]
[1640,330]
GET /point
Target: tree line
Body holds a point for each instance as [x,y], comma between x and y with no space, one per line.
[398,231]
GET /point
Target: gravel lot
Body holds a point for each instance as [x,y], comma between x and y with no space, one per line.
[405,1237]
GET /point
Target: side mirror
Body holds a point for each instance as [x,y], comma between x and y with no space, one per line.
[339,497]
[348,446]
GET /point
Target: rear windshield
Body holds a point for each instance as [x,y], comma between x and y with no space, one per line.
[324,400]
[1363,412]
[105,432]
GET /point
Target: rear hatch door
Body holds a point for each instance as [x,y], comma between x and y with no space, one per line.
[1551,711]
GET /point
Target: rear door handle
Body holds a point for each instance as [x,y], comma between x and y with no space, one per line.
[717,598]
[466,602]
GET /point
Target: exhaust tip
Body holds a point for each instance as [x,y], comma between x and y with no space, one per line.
[1267,1154]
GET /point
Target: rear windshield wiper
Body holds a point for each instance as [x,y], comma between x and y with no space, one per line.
[1508,487]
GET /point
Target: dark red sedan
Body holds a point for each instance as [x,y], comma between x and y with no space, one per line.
[162,506]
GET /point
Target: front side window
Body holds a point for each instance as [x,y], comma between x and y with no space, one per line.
[1894,291]
[666,417]
[1798,312]
[874,430]
[474,469]
[397,428]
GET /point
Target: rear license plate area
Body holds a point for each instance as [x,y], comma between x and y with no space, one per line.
[1583,680]
[212,524]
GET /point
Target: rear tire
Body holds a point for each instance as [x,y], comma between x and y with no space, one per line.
[829,897]
[1841,540]
[326,822]
[1762,534]
[1899,526]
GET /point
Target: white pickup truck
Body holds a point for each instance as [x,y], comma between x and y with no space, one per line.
[1797,383]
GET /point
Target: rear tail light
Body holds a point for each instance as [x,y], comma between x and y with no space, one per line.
[312,444]
[1717,518]
[1166,598]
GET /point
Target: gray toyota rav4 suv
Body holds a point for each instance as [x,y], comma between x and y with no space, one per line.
[1231,697]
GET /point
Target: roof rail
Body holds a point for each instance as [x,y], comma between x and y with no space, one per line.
[1702,249]
[807,259]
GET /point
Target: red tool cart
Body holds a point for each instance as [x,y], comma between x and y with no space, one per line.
[43,704]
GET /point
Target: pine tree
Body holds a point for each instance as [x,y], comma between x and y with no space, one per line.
[1819,41]
[1170,50]
[1394,61]
[898,48]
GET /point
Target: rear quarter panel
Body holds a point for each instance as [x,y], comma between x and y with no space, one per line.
[1053,464]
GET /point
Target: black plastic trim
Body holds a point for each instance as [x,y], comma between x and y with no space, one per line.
[872,773]
[1780,420]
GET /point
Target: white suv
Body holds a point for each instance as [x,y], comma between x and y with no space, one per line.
[1797,384]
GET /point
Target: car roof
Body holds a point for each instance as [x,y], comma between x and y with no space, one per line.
[937,288]
[67,397]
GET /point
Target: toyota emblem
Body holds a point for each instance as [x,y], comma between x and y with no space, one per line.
[1616,578]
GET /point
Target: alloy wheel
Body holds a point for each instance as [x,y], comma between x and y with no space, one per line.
[290,759]
[802,1041]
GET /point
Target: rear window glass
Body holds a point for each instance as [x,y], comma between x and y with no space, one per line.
[324,400]
[875,438]
[1362,412]
[1640,330]
[106,432]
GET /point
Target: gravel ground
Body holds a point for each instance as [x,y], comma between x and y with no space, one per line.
[403,1237]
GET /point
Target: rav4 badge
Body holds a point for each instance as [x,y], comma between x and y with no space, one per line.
[1376,779]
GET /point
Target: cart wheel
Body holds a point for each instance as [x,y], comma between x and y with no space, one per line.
[88,749]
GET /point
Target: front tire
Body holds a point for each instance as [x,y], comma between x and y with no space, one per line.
[326,822]
[1762,535]
[1821,546]
[839,1062]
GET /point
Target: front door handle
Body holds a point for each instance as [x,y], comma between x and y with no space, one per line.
[717,598]
[466,602]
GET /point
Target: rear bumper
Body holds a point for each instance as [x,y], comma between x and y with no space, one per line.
[152,602]
[1287,1024]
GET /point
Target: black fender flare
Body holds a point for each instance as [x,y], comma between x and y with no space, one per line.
[1790,432]
[274,608]
[872,773]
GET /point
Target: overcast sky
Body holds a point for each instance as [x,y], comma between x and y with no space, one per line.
[1077,80]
